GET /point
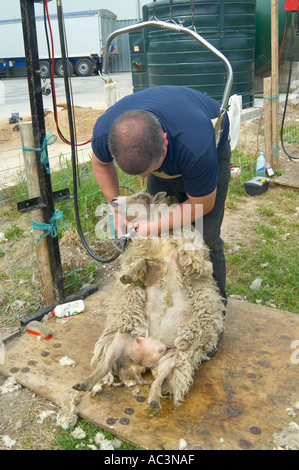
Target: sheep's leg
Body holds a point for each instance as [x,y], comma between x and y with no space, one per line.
[114,352]
[129,372]
[164,368]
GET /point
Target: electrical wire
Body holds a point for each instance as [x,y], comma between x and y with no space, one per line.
[52,71]
[51,67]
[262,110]
[288,90]
[69,100]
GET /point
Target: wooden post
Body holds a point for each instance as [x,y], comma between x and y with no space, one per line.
[268,119]
[39,134]
[34,191]
[275,82]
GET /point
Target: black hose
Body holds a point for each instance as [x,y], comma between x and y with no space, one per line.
[288,89]
[72,137]
[50,70]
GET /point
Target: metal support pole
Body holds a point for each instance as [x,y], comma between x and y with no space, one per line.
[38,124]
[179,29]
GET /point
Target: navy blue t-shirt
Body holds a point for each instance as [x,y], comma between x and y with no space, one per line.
[185,115]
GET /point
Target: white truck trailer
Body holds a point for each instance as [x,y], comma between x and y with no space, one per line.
[86,34]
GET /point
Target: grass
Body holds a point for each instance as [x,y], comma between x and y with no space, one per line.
[13,232]
[66,441]
[291,134]
[269,251]
[245,162]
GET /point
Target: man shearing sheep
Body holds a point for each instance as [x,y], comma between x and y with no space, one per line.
[165,133]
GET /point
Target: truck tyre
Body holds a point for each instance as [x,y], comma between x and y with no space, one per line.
[83,67]
[44,69]
[59,69]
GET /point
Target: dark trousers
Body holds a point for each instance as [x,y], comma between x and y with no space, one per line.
[211,221]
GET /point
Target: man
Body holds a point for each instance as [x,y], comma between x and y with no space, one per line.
[166,134]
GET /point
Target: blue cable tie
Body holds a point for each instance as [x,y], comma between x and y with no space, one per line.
[271,97]
[50,228]
[48,140]
[276,149]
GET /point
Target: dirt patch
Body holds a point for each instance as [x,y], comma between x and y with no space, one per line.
[10,140]
[20,413]
[84,118]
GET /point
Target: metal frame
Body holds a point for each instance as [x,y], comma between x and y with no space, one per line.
[179,29]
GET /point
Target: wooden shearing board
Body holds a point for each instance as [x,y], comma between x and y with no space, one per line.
[238,399]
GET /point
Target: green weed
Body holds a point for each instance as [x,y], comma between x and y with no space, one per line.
[67,442]
[269,252]
[13,232]
[291,134]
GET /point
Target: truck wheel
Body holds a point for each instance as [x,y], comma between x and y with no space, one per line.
[44,69]
[83,67]
[59,69]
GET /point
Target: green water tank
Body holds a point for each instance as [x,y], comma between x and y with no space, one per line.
[162,57]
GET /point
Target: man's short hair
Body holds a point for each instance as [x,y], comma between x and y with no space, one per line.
[136,141]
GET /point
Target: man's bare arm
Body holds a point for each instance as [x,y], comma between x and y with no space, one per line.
[106,177]
[178,217]
[183,214]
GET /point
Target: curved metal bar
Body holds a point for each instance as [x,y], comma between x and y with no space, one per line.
[181,29]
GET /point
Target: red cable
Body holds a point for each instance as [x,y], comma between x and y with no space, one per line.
[282,43]
[281,47]
[258,131]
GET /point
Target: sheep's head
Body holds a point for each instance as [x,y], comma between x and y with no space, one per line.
[136,206]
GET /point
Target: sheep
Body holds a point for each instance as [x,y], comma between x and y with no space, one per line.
[143,351]
[165,292]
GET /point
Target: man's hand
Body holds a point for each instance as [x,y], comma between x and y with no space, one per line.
[120,224]
[182,214]
[143,228]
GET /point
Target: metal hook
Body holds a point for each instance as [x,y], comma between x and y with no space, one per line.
[181,29]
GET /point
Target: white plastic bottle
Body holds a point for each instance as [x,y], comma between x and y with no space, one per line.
[69,309]
[261,165]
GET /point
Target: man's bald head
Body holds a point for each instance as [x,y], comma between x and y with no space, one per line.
[135,141]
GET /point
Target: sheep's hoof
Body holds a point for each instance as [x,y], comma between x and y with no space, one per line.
[155,405]
[126,279]
[81,387]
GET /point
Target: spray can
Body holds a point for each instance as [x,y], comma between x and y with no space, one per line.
[40,329]
[261,165]
[269,170]
[69,309]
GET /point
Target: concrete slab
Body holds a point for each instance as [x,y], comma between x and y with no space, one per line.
[87,92]
[238,399]
[290,176]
